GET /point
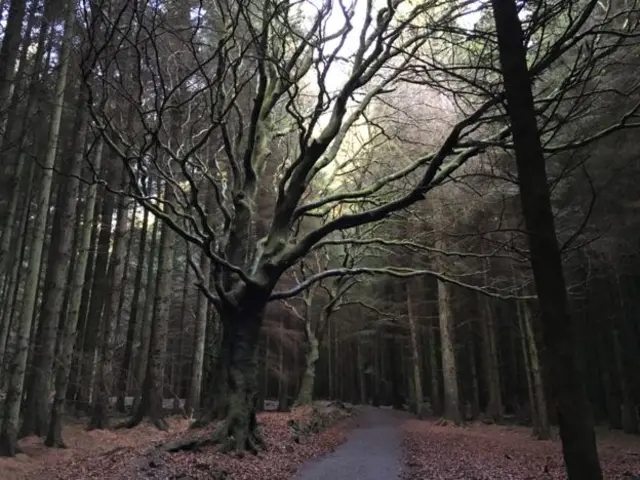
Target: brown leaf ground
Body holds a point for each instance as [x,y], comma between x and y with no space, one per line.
[493,452]
[131,454]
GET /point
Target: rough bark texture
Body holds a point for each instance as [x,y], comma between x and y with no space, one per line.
[543,426]
[36,410]
[14,121]
[104,372]
[137,307]
[147,318]
[200,335]
[574,413]
[99,291]
[152,390]
[20,245]
[447,346]
[54,430]
[17,368]
[9,52]
[415,358]
[305,395]
[241,327]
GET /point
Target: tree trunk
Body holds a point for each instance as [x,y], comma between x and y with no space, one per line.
[475,382]
[544,429]
[142,356]
[574,413]
[415,358]
[152,389]
[490,362]
[14,121]
[12,36]
[180,356]
[137,306]
[36,410]
[13,283]
[283,380]
[629,417]
[200,335]
[54,431]
[11,417]
[447,346]
[436,403]
[241,324]
[73,388]
[94,313]
[305,395]
[362,374]
[101,398]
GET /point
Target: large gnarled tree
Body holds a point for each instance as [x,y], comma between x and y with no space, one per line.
[269,93]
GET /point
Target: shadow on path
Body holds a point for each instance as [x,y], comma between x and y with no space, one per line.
[372,450]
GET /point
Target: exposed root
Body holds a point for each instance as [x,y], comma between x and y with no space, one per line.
[159,423]
[200,423]
[229,437]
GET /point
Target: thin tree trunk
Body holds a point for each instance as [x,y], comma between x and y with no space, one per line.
[200,335]
[535,418]
[415,358]
[362,376]
[20,244]
[101,398]
[629,415]
[11,417]
[147,317]
[96,301]
[283,403]
[475,382]
[36,411]
[152,387]
[544,428]
[54,431]
[12,37]
[490,361]
[85,298]
[137,307]
[179,360]
[436,402]
[32,103]
[305,395]
[574,412]
[448,352]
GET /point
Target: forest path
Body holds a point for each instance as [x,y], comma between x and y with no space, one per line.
[372,450]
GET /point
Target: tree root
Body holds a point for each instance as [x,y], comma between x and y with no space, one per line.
[200,423]
[227,438]
[159,423]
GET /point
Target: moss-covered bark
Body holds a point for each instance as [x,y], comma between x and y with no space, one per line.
[233,382]
[238,430]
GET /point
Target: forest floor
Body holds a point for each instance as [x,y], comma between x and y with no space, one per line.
[377,444]
[495,452]
[124,454]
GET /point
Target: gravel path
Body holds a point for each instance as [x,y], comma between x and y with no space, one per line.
[371,452]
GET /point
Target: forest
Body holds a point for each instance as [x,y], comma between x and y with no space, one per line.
[213,208]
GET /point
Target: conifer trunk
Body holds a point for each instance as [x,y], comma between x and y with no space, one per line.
[559,328]
[101,397]
[36,410]
[63,369]
[136,310]
[152,388]
[11,416]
